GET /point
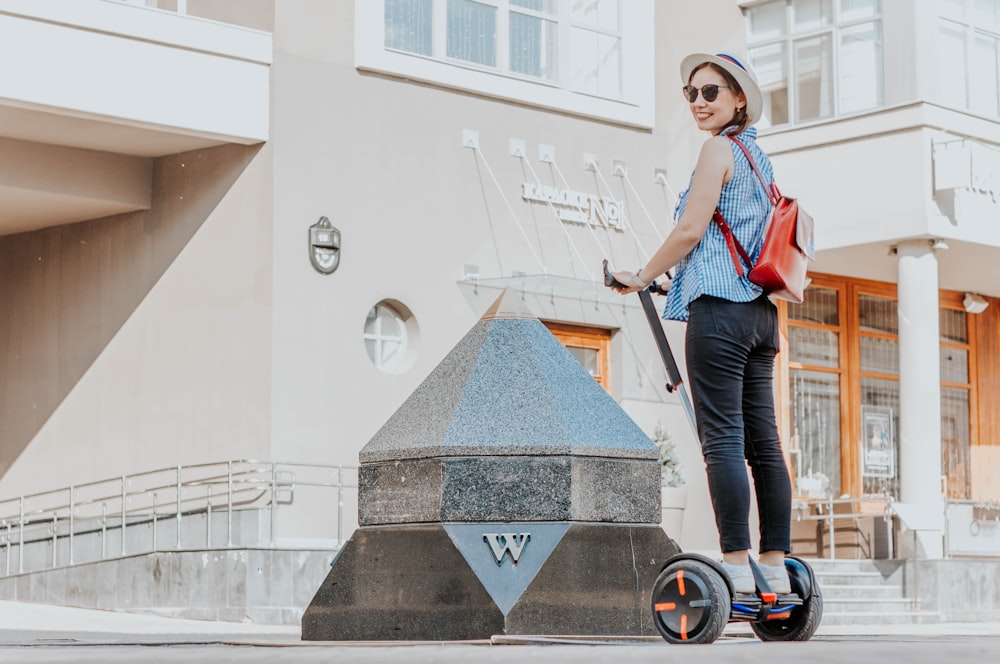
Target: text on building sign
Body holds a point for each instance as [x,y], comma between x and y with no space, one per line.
[576,206]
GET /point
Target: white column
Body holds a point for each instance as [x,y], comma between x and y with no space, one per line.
[920,395]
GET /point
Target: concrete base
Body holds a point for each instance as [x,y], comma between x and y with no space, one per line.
[264,586]
[443,582]
[961,590]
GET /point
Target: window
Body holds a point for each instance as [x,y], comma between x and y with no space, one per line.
[843,379]
[534,39]
[957,365]
[589,345]
[816,59]
[969,52]
[815,333]
[516,37]
[388,335]
[408,26]
[587,56]
[878,341]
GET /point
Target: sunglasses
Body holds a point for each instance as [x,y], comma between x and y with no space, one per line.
[709,92]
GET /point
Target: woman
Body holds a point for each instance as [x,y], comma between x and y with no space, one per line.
[732,332]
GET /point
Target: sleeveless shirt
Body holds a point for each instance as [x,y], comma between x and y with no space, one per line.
[708,269]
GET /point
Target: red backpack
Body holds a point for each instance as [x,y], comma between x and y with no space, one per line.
[788,243]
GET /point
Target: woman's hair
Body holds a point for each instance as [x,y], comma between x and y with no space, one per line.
[740,121]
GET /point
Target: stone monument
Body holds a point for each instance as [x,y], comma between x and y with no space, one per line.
[509,494]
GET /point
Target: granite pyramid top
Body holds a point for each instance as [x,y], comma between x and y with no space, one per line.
[508,388]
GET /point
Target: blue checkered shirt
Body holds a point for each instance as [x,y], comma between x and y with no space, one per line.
[708,269]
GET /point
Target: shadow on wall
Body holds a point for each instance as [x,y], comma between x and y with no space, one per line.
[65,291]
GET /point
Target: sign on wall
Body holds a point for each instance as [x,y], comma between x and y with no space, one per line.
[878,442]
[577,207]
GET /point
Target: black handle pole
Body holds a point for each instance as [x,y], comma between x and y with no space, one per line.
[660,337]
[674,380]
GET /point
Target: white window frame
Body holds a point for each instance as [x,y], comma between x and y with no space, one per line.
[397,361]
[634,107]
[971,29]
[788,39]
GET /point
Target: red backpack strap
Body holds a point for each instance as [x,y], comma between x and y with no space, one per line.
[772,189]
[736,250]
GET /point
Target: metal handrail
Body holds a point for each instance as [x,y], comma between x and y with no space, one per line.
[827,515]
[158,495]
[985,513]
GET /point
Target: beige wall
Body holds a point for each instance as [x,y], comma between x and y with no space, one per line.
[45,185]
[140,341]
[256,14]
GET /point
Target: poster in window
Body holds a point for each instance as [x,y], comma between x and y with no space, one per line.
[878,445]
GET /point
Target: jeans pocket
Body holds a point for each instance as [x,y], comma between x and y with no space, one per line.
[733,320]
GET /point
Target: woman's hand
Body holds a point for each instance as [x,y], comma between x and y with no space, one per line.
[630,282]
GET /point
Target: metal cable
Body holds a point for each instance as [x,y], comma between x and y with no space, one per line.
[562,227]
[510,208]
[627,225]
[649,217]
[590,227]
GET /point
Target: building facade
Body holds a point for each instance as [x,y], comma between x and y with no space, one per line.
[169,295]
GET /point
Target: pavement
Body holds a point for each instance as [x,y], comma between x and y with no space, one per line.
[22,622]
[47,634]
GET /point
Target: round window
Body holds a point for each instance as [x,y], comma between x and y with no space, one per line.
[389,334]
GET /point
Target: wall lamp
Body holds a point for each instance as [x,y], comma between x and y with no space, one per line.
[324,246]
[974,304]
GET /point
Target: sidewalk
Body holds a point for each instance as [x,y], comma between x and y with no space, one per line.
[22,622]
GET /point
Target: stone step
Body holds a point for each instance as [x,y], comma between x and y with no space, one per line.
[880,618]
[825,565]
[832,591]
[886,606]
[850,579]
[855,592]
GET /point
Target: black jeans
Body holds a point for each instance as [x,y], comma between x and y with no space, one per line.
[730,350]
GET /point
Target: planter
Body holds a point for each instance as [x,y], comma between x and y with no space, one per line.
[674,502]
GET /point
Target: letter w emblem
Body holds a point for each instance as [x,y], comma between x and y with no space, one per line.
[503,543]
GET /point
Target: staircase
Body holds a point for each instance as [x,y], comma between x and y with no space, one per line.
[865,592]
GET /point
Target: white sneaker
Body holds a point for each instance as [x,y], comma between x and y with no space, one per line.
[777,578]
[741,576]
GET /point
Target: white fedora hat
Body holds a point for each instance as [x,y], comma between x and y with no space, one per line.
[743,75]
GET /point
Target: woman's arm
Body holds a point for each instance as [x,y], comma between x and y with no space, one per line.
[714,169]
